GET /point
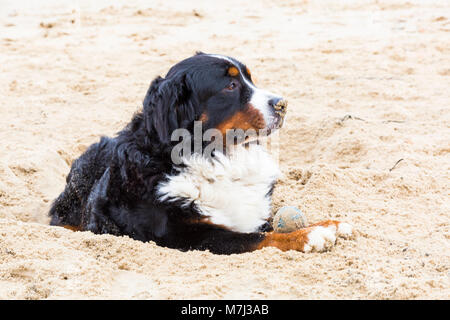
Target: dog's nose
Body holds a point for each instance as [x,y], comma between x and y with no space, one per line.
[279,104]
[273,102]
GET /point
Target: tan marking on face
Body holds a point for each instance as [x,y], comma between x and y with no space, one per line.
[251,77]
[233,71]
[249,118]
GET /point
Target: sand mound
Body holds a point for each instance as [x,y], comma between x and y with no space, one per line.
[366,142]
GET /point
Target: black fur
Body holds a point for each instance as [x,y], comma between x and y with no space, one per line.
[111,187]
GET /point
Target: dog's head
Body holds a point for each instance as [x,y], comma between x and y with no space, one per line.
[214,89]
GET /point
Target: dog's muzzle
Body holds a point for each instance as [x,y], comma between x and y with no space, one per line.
[279,106]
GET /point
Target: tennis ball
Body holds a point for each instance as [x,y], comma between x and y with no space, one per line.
[288,219]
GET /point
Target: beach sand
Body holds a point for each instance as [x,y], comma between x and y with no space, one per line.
[367,142]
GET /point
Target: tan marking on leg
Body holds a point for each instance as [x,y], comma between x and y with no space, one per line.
[317,237]
[326,223]
[286,241]
[73,228]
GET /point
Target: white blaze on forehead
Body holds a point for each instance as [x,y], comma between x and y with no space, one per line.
[219,56]
[259,98]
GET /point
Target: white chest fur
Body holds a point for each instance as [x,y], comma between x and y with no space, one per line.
[229,190]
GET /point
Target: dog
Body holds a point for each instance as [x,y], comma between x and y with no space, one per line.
[130,184]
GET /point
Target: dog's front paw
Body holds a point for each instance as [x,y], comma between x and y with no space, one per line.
[319,239]
[344,230]
[323,235]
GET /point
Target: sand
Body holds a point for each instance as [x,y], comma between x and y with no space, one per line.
[367,141]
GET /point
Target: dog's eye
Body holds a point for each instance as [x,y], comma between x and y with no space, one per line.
[231,86]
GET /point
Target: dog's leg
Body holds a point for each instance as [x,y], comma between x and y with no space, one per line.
[67,209]
[94,218]
[204,236]
[318,237]
[315,238]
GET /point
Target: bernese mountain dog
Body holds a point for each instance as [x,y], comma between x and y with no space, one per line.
[134,184]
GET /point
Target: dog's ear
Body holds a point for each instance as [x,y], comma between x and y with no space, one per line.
[168,105]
